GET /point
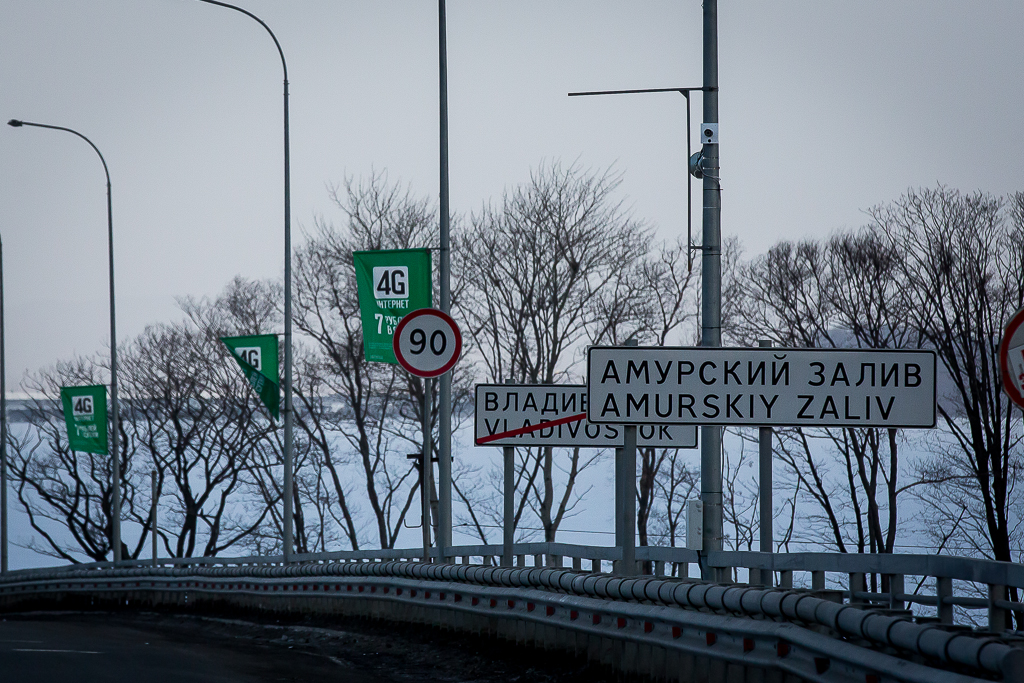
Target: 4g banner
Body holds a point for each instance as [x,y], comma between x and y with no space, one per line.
[391,283]
[85,412]
[257,356]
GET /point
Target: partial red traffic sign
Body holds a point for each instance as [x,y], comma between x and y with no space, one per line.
[1011,358]
[427,342]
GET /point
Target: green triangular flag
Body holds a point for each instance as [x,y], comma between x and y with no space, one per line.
[257,356]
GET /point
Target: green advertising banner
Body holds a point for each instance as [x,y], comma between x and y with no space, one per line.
[257,356]
[85,412]
[391,283]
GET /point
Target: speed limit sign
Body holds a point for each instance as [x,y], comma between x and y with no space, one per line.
[427,342]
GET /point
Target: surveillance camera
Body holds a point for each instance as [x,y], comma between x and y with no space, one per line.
[709,134]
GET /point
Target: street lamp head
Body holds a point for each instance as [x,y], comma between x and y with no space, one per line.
[15,123]
[696,165]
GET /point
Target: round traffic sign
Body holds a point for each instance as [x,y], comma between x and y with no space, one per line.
[427,342]
[1011,358]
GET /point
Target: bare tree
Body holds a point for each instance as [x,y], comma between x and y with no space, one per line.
[846,292]
[963,262]
[553,266]
[380,406]
[67,494]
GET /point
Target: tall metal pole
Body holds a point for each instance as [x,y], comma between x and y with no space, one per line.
[3,425]
[711,294]
[444,462]
[115,504]
[625,497]
[764,487]
[288,488]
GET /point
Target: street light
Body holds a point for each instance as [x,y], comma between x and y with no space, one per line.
[288,414]
[115,514]
[685,92]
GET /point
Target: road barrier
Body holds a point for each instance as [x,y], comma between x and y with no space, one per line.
[649,621]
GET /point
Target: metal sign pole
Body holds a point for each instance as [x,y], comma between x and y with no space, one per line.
[625,497]
[508,518]
[764,484]
[425,471]
[629,502]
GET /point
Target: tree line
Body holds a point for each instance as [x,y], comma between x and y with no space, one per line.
[555,264]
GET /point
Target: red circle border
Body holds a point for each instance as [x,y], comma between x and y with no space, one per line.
[447,319]
[1004,362]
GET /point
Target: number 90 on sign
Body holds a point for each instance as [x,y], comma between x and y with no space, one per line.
[427,342]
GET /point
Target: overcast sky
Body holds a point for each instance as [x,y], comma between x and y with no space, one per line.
[827,108]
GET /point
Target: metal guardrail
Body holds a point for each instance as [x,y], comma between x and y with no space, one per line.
[633,608]
[990,579]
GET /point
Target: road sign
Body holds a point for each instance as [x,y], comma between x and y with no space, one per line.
[1011,358]
[390,284]
[769,387]
[555,415]
[427,342]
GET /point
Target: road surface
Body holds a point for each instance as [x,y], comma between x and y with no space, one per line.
[102,647]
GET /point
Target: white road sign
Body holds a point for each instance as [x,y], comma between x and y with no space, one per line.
[427,342]
[555,415]
[770,386]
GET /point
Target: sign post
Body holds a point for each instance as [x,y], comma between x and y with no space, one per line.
[508,498]
[390,283]
[538,415]
[764,490]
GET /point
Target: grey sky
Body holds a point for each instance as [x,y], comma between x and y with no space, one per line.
[827,108]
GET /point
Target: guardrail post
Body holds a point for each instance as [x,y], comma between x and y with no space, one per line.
[996,615]
[538,560]
[520,560]
[595,566]
[944,591]
[857,585]
[818,580]
[786,578]
[896,590]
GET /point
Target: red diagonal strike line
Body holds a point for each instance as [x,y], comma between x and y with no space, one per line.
[532,428]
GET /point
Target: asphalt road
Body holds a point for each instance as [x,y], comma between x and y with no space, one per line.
[97,647]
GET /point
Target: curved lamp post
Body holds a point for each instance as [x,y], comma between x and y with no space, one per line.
[115,514]
[288,414]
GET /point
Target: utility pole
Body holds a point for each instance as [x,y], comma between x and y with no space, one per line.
[444,462]
[711,288]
